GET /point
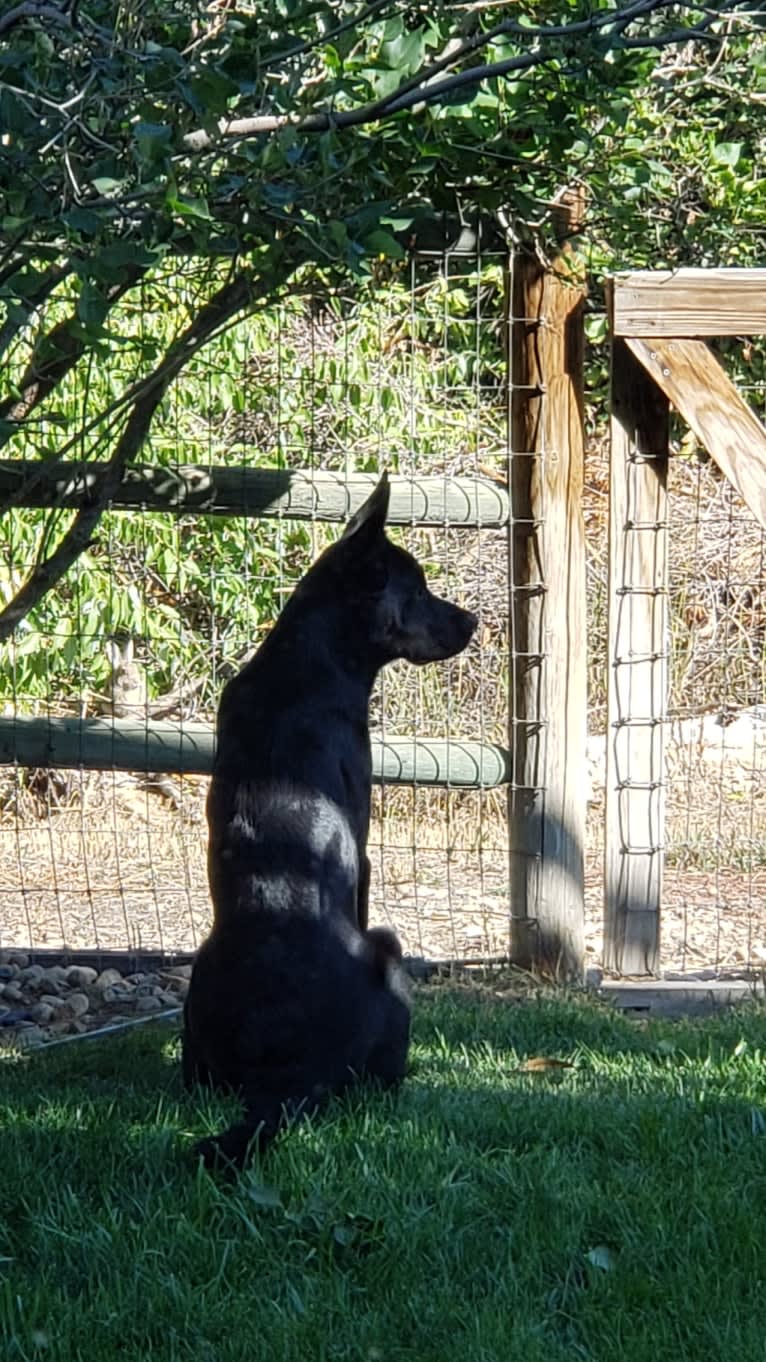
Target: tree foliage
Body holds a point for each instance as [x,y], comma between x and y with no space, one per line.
[292,140]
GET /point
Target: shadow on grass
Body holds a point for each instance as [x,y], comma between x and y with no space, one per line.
[121,1099]
[603,1210]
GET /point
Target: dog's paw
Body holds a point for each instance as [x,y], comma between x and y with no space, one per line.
[229,1151]
[211,1156]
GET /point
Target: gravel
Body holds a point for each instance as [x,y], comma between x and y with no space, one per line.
[40,1004]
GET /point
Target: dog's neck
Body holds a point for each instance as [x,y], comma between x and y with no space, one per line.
[332,647]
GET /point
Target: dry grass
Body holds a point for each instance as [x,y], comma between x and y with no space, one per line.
[714,898]
[126,870]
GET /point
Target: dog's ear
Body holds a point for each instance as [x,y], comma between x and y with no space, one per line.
[369,521]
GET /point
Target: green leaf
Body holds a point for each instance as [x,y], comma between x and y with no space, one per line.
[152,140]
[727,153]
[404,53]
[262,1195]
[381,82]
[104,184]
[398,223]
[190,208]
[381,242]
[602,1258]
[83,220]
[92,306]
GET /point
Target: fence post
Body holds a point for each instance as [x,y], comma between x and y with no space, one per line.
[638,667]
[547,799]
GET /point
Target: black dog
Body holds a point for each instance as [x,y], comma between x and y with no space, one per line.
[291,997]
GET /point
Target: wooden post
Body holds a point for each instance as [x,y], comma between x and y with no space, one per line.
[548,659]
[638,667]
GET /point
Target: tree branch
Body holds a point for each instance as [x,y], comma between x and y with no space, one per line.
[49,281]
[424,89]
[63,349]
[302,49]
[230,299]
[32,10]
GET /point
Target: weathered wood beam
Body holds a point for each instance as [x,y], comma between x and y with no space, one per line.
[248,491]
[548,662]
[689,302]
[690,375]
[637,677]
[135,745]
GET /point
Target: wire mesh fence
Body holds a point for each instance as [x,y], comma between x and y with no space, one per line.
[162,607]
[177,588]
[714,899]
[688,823]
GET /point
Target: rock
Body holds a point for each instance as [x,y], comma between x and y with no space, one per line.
[139,978]
[55,975]
[177,987]
[147,990]
[148,1002]
[53,1001]
[169,999]
[42,1013]
[12,993]
[8,972]
[108,978]
[182,971]
[81,976]
[19,958]
[31,974]
[78,1004]
[118,993]
[45,985]
[52,980]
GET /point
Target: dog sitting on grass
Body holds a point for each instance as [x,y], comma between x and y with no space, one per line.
[291,997]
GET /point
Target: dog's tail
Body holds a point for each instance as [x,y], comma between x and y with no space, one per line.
[385,950]
[262,1122]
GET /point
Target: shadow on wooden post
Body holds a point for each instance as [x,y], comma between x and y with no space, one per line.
[547,799]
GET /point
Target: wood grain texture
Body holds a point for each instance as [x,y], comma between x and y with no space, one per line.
[690,375]
[548,657]
[638,668]
[689,302]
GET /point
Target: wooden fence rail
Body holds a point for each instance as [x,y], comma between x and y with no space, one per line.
[193,489]
[164,746]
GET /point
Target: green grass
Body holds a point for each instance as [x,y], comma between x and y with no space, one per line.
[613,1210]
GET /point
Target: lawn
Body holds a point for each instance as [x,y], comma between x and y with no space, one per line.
[611,1210]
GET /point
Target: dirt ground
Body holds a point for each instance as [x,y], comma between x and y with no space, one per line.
[116,868]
